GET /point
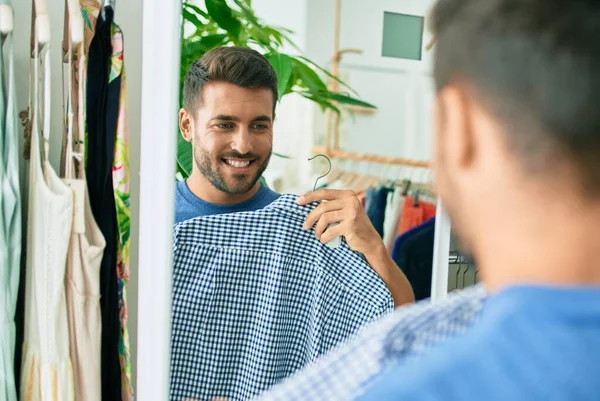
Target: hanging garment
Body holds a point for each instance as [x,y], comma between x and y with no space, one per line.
[120,176]
[90,9]
[47,372]
[410,332]
[414,215]
[375,207]
[82,284]
[102,107]
[393,212]
[255,298]
[10,221]
[413,253]
[82,281]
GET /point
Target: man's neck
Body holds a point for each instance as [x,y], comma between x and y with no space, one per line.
[551,246]
[204,190]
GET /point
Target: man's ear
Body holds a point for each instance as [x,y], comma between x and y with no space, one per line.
[456,134]
[186,125]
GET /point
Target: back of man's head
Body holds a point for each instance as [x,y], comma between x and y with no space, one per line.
[236,65]
[533,65]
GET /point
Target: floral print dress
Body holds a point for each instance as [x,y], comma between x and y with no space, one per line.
[90,10]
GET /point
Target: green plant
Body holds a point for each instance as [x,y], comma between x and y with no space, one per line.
[221,23]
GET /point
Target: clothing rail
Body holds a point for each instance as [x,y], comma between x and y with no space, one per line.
[369,158]
[459,260]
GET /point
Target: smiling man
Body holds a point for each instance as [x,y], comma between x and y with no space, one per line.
[229,101]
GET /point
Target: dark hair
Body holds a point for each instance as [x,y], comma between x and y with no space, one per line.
[534,64]
[237,65]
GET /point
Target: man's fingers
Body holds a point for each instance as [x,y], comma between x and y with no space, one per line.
[324,207]
[327,219]
[323,194]
[332,232]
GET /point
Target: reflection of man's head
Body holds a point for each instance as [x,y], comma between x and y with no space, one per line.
[516,109]
[230,96]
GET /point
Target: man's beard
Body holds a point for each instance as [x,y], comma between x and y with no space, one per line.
[214,174]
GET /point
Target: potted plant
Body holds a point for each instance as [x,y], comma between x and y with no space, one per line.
[215,23]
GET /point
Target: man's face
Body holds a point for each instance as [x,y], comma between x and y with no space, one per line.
[232,135]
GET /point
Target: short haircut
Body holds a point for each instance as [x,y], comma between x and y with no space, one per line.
[237,65]
[533,64]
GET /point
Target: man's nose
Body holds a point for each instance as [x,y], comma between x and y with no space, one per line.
[242,141]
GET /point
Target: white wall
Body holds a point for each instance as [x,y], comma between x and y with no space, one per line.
[129,16]
[402,90]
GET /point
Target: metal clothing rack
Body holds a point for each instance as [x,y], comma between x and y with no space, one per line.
[159,100]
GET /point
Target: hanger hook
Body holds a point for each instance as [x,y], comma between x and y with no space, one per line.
[324,175]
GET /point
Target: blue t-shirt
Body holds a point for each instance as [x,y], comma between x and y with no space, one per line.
[532,343]
[188,205]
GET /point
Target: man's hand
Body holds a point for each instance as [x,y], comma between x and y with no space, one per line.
[345,209]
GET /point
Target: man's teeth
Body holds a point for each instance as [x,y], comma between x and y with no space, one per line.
[238,163]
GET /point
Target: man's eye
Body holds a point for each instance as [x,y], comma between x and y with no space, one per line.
[260,126]
[225,126]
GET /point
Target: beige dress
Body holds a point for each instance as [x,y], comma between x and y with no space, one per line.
[46,370]
[82,285]
[82,280]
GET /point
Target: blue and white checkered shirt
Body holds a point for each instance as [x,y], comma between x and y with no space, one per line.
[255,298]
[352,367]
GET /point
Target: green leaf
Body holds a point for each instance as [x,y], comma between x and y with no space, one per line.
[191,17]
[185,158]
[220,12]
[345,99]
[329,74]
[247,12]
[281,156]
[282,64]
[308,77]
[213,40]
[196,9]
[263,181]
[193,49]
[273,35]
[291,83]
[321,101]
[260,36]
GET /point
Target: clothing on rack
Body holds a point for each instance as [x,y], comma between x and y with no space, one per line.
[376,207]
[393,213]
[255,298]
[46,371]
[120,176]
[102,109]
[408,334]
[413,253]
[10,218]
[90,10]
[551,334]
[415,213]
[82,283]
[86,248]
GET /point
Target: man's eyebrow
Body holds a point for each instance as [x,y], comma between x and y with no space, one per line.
[263,118]
[224,117]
